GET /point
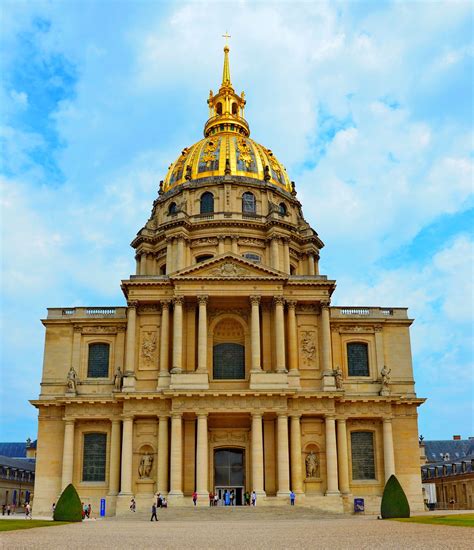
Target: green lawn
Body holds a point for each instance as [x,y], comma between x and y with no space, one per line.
[458,520]
[14,524]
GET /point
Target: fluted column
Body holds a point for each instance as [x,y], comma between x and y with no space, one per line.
[169,255]
[164,338]
[326,355]
[286,254]
[127,456]
[163,455]
[257,454]
[129,379]
[275,255]
[68,454]
[331,456]
[283,457]
[310,264]
[221,245]
[178,334]
[255,333]
[176,455]
[292,337]
[180,254]
[202,334]
[235,245]
[342,456]
[295,453]
[202,457]
[388,453]
[114,462]
[279,302]
[143,263]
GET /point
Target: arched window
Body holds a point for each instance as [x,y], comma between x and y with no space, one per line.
[94,457]
[248,203]
[363,456]
[292,270]
[219,108]
[207,203]
[203,258]
[357,359]
[98,361]
[163,269]
[282,210]
[172,208]
[234,109]
[252,257]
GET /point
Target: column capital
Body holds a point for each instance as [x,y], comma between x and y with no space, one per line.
[257,415]
[282,414]
[279,301]
[163,416]
[132,304]
[202,299]
[235,237]
[341,419]
[325,303]
[165,304]
[202,415]
[69,420]
[255,300]
[291,304]
[115,421]
[175,415]
[126,417]
[221,237]
[387,420]
[295,415]
[330,416]
[178,300]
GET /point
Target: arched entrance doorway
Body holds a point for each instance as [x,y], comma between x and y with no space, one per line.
[229,474]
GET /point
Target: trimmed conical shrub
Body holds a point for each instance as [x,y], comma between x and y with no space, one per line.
[394,501]
[68,507]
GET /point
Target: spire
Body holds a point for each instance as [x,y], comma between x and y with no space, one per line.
[226,71]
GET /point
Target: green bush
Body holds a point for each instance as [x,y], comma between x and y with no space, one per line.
[68,507]
[394,501]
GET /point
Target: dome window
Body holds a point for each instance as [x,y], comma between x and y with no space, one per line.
[248,203]
[252,257]
[172,208]
[219,108]
[282,209]
[234,109]
[203,258]
[207,203]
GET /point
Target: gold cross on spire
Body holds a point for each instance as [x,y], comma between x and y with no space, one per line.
[226,36]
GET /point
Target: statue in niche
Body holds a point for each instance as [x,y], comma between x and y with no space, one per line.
[118,376]
[308,346]
[338,378]
[385,374]
[312,465]
[146,464]
[72,380]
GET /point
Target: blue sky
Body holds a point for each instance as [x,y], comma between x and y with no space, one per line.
[368,105]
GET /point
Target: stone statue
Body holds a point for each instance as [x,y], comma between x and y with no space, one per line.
[312,465]
[72,380]
[118,379]
[146,464]
[385,374]
[338,378]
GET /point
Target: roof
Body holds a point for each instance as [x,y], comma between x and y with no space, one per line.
[448,450]
[27,464]
[13,450]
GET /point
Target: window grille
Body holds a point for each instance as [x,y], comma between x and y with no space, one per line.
[229,362]
[248,203]
[93,463]
[363,460]
[98,364]
[358,359]
[207,203]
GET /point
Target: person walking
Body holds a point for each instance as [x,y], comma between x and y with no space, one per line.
[216,500]
[211,499]
[159,500]
[28,511]
[292,498]
[227,498]
[232,497]
[133,505]
[53,507]
[195,497]
[254,498]
[153,513]
[89,511]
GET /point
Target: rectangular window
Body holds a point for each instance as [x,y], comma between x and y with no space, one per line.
[93,463]
[358,359]
[363,459]
[98,362]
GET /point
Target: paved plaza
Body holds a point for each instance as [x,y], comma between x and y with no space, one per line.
[269,528]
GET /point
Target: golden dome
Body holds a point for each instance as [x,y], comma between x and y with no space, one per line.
[227,148]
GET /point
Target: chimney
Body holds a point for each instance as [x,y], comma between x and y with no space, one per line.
[456,438]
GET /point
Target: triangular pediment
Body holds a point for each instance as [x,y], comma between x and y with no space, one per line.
[229,266]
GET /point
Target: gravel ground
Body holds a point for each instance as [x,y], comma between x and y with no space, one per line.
[241,528]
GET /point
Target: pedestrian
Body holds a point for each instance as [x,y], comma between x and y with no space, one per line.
[84,509]
[292,498]
[211,499]
[53,507]
[89,511]
[133,505]
[232,497]
[216,500]
[159,501]
[254,498]
[153,513]
[195,497]
[28,511]
[3,509]
[8,510]
[164,503]
[227,498]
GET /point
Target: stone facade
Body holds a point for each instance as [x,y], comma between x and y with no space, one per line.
[229,288]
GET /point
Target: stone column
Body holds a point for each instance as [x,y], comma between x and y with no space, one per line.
[379,348]
[127,456]
[176,455]
[143,265]
[342,456]
[202,458]
[221,245]
[180,254]
[129,373]
[235,245]
[257,454]
[150,264]
[163,455]
[279,302]
[283,458]
[310,264]
[202,335]
[326,356]
[275,256]
[286,254]
[295,451]
[331,457]
[255,333]
[292,337]
[164,340]
[68,454]
[114,462]
[388,454]
[169,255]
[178,335]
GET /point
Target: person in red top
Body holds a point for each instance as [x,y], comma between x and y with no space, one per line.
[195,497]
